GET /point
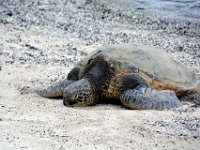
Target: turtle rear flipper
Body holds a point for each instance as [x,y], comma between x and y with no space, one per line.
[55,90]
[147,98]
[192,96]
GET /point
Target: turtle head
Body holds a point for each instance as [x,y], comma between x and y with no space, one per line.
[79,93]
[87,91]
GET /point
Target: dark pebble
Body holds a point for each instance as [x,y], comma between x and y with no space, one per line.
[140,8]
[9,14]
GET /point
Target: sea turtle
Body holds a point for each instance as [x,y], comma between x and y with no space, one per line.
[141,77]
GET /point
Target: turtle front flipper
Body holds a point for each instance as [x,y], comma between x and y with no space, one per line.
[55,90]
[147,98]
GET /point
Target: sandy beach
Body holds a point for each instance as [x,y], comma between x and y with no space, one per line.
[41,41]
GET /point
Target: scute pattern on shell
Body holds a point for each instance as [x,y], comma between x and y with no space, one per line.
[152,62]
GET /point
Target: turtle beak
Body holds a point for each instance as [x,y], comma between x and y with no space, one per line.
[67,102]
[70,95]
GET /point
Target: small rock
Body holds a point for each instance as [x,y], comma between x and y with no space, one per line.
[9,14]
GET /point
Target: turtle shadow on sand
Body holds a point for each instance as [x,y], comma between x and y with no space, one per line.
[138,76]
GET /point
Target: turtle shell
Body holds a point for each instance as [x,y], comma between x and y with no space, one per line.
[156,66]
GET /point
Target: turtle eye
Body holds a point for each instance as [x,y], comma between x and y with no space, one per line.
[90,61]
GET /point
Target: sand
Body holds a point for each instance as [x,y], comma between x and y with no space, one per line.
[41,41]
